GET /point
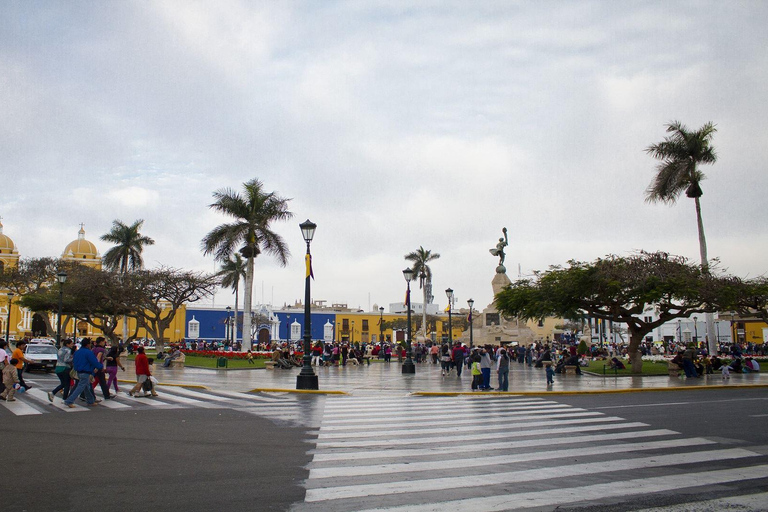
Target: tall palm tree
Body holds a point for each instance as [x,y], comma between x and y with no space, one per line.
[249,234]
[231,273]
[129,244]
[126,254]
[680,155]
[420,258]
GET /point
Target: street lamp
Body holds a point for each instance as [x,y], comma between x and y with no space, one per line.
[381,327]
[471,304]
[695,331]
[449,294]
[8,321]
[307,379]
[229,326]
[408,366]
[288,330]
[62,278]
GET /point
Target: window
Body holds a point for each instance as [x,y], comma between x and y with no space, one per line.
[365,325]
[345,324]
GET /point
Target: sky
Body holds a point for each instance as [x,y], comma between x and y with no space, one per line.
[390,124]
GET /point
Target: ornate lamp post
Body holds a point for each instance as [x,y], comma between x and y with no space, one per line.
[449,294]
[62,278]
[381,327]
[695,332]
[471,304]
[408,366]
[288,330]
[307,379]
[8,321]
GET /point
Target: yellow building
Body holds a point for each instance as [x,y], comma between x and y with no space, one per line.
[24,323]
[357,327]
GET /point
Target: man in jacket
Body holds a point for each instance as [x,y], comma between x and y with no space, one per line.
[86,365]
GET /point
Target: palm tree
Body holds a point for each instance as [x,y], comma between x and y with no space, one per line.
[253,212]
[129,244]
[126,254]
[231,273]
[680,155]
[420,258]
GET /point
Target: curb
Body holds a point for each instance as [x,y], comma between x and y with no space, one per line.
[586,392]
[299,391]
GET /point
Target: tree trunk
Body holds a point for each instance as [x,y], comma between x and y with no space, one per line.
[247,305]
[424,312]
[234,320]
[709,317]
[633,351]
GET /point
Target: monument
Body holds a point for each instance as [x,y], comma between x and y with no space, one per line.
[491,327]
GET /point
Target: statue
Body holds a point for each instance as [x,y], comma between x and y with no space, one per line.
[499,251]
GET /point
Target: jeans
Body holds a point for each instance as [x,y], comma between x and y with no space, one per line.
[83,386]
[690,370]
[486,378]
[100,379]
[459,365]
[504,379]
[65,380]
[112,372]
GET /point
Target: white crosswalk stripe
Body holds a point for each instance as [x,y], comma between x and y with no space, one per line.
[413,459]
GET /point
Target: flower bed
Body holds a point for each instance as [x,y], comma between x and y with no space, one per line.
[232,355]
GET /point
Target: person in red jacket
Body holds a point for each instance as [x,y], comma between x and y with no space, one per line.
[142,372]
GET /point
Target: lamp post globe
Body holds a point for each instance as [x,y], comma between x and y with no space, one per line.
[408,366]
[471,304]
[62,278]
[307,379]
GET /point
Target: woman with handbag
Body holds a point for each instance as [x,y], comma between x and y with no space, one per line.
[113,363]
[63,368]
[142,372]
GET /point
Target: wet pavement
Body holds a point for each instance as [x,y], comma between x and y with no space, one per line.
[381,377]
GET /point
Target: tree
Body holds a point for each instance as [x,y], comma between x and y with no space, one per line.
[680,154]
[160,293]
[253,213]
[126,254]
[619,289]
[420,257]
[232,271]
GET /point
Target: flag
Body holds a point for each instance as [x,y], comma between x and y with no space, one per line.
[447,308]
[308,260]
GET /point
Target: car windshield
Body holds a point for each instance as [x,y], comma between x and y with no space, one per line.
[46,350]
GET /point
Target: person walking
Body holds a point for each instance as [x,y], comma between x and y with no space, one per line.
[86,365]
[445,360]
[477,374]
[113,363]
[10,381]
[458,358]
[63,368]
[99,350]
[142,372]
[18,355]
[5,359]
[502,368]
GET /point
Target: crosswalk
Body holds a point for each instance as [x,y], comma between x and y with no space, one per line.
[277,407]
[438,454]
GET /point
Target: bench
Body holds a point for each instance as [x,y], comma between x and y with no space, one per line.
[570,369]
[673,369]
[269,365]
[179,361]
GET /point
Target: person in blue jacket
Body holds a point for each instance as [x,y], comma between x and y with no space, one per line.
[86,365]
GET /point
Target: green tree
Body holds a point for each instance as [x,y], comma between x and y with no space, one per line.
[680,154]
[250,233]
[619,289]
[420,258]
[233,270]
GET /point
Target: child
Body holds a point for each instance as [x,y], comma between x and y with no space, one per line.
[477,375]
[250,357]
[10,380]
[726,371]
[550,374]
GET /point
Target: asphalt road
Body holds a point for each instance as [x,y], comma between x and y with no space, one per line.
[184,459]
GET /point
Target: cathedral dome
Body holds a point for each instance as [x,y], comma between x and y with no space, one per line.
[6,244]
[81,250]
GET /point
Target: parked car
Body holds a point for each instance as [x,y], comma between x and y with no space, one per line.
[41,356]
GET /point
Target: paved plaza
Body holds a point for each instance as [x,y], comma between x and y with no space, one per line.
[387,443]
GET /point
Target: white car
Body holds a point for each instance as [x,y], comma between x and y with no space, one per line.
[41,356]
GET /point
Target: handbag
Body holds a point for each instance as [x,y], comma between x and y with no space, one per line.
[73,374]
[147,385]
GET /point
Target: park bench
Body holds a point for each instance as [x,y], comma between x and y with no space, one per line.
[269,365]
[673,369]
[179,361]
[569,369]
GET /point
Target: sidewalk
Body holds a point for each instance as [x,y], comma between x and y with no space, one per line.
[387,378]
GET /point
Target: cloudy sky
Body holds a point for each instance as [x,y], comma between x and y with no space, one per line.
[392,125]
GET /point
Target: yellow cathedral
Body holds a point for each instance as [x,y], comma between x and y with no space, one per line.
[17,322]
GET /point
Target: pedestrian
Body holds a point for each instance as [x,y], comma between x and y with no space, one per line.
[433,351]
[5,359]
[445,360]
[18,355]
[688,367]
[100,377]
[113,363]
[142,371]
[458,358]
[477,374]
[502,367]
[10,381]
[317,353]
[63,368]
[550,371]
[485,368]
[85,365]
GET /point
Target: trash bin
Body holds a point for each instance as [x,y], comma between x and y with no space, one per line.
[221,362]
